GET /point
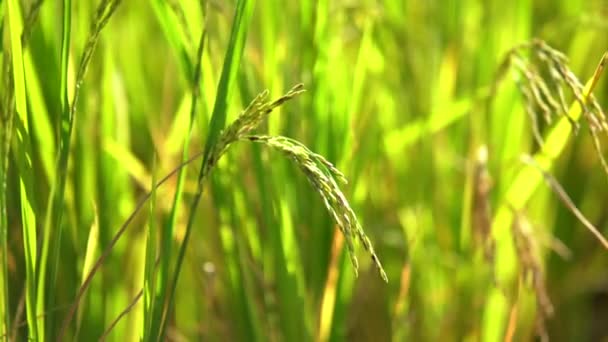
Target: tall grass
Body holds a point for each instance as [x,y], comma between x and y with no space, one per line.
[148,192]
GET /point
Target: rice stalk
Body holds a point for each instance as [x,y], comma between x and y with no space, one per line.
[53,220]
[321,174]
[527,180]
[232,59]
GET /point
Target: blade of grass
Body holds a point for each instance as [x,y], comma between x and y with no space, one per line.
[328,301]
[7,110]
[42,132]
[53,221]
[23,154]
[52,229]
[90,251]
[232,59]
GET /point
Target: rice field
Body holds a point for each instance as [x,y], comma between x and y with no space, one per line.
[303,171]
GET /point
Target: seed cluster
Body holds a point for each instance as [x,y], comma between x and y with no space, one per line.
[322,175]
[544,78]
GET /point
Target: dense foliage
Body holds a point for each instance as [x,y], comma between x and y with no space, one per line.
[151,189]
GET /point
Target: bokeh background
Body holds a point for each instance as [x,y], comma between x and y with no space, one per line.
[399,97]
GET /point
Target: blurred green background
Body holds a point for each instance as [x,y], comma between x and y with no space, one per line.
[399,97]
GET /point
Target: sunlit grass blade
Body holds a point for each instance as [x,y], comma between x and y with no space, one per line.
[90,251]
[42,131]
[23,154]
[7,110]
[328,302]
[54,207]
[52,224]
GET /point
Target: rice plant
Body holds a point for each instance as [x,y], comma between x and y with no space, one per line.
[151,190]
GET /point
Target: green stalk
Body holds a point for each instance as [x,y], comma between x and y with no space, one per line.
[52,228]
[234,53]
[53,219]
[23,154]
[7,123]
